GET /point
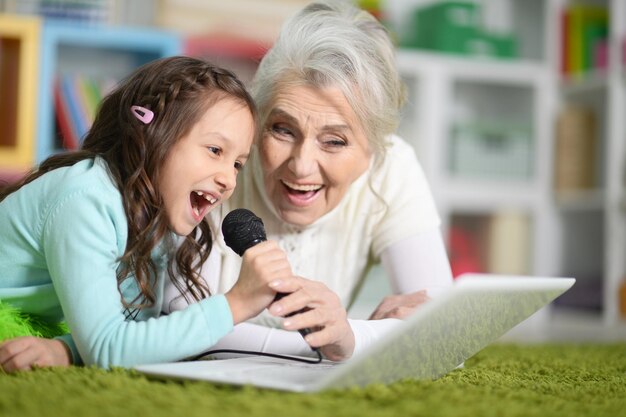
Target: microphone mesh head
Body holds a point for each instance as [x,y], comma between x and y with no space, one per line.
[242,229]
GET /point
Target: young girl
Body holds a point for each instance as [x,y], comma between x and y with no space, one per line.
[91,236]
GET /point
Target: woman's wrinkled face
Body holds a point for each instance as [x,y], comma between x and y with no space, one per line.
[312,150]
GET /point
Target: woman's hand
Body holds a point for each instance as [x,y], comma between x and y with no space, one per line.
[399,306]
[322,313]
[251,294]
[28,352]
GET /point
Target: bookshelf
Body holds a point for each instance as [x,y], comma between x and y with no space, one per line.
[480,125]
[478,204]
[577,230]
[74,49]
[19,62]
[591,220]
[615,226]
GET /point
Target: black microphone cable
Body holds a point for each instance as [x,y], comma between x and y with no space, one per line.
[250,352]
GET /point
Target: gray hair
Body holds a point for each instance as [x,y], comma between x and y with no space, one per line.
[333,43]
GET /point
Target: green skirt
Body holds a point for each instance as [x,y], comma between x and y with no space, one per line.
[15,323]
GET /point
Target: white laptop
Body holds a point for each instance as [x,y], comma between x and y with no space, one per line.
[435,339]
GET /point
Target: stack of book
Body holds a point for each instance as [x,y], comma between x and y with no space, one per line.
[76,99]
[498,243]
[584,37]
[575,150]
[86,11]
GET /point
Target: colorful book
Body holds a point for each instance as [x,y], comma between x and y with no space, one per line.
[464,251]
[575,149]
[565,43]
[584,27]
[77,114]
[509,243]
[69,137]
[94,96]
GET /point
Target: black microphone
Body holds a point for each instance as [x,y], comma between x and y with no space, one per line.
[242,229]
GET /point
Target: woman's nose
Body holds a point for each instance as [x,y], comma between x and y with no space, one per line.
[303,160]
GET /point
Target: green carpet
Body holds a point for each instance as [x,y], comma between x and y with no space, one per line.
[502,380]
[14,323]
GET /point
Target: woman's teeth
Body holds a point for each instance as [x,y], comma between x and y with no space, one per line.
[304,188]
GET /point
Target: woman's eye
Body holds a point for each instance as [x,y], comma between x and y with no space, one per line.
[215,150]
[281,131]
[335,142]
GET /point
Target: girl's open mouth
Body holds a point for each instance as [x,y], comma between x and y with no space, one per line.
[201,203]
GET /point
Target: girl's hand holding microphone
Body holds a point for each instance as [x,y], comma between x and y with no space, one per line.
[309,306]
[264,263]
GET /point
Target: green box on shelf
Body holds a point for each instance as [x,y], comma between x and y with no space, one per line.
[455,27]
[491,44]
[443,26]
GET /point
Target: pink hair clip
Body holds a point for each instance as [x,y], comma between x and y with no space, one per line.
[142,114]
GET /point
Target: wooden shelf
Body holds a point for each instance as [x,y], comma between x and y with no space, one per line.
[593,82]
[19,62]
[583,200]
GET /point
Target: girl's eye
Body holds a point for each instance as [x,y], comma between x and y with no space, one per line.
[215,150]
[238,166]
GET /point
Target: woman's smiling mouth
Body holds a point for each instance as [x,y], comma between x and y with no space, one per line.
[301,194]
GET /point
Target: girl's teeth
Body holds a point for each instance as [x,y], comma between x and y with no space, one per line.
[212,200]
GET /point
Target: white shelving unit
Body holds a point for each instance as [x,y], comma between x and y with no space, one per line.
[572,234]
[593,223]
[615,224]
[510,86]
[436,86]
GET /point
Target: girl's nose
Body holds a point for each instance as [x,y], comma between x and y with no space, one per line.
[226,178]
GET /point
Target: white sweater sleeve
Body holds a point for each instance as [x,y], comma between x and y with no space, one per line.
[257,338]
[416,263]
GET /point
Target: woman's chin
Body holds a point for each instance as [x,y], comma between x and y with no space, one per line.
[299,217]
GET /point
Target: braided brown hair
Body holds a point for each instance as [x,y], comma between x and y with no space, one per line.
[178,90]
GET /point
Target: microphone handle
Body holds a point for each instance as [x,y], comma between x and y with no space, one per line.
[306,330]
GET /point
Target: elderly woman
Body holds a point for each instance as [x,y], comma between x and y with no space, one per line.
[334,186]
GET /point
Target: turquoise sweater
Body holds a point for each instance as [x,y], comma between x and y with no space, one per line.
[61,239]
